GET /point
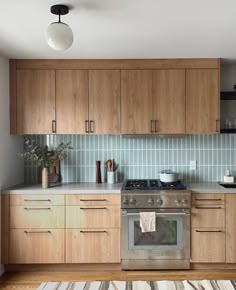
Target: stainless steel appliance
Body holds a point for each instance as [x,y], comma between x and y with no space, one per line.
[169,246]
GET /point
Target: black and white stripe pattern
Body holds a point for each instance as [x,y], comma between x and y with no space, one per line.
[142,285]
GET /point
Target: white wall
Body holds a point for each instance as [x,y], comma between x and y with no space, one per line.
[11,167]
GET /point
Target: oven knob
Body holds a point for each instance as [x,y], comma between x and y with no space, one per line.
[178,202]
[159,202]
[132,201]
[125,201]
[150,201]
[184,202]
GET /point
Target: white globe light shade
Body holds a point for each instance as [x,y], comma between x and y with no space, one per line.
[59,36]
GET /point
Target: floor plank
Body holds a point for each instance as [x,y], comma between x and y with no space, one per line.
[32,280]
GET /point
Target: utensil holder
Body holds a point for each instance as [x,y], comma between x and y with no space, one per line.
[111,177]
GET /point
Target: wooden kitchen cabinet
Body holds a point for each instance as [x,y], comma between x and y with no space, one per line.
[207,227]
[93,222]
[35,105]
[230,228]
[202,101]
[136,102]
[72,101]
[169,101]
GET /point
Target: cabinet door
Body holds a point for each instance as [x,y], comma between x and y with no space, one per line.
[230,228]
[208,245]
[104,101]
[71,101]
[169,101]
[202,101]
[93,246]
[136,101]
[37,246]
[35,101]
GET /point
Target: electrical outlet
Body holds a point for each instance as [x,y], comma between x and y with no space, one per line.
[193,165]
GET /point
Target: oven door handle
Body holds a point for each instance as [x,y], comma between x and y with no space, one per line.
[159,214]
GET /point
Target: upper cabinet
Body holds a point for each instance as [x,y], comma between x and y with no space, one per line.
[169,101]
[35,106]
[136,102]
[202,101]
[151,96]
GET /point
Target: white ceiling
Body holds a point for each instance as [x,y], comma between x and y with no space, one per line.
[122,28]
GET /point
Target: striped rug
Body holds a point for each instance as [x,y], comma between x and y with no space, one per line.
[142,285]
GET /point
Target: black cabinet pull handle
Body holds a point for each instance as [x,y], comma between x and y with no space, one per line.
[85,208]
[37,232]
[217,231]
[93,200]
[87,232]
[208,207]
[37,208]
[91,126]
[86,126]
[53,126]
[37,199]
[208,199]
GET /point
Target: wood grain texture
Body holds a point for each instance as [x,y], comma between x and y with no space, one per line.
[33,247]
[104,101]
[169,101]
[13,97]
[118,63]
[136,101]
[37,199]
[230,228]
[88,247]
[93,199]
[5,214]
[37,217]
[35,101]
[207,217]
[208,199]
[208,247]
[87,217]
[72,96]
[202,101]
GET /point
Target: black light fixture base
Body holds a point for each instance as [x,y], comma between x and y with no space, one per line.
[59,9]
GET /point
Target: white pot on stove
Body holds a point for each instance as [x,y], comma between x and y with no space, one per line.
[168,176]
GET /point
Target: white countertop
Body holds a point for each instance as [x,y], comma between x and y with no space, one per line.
[66,188]
[209,187]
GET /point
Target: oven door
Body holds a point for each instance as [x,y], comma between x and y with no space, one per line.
[171,240]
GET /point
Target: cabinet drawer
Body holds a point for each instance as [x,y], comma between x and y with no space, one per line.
[207,199]
[36,246]
[92,216]
[208,216]
[93,246]
[37,199]
[208,245]
[93,199]
[37,217]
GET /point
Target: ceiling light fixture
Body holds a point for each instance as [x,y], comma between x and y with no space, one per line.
[59,34]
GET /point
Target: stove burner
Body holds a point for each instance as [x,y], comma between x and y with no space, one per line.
[173,185]
[152,184]
[140,184]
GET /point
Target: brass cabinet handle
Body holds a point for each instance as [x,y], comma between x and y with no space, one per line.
[156,127]
[208,207]
[53,126]
[93,200]
[208,199]
[204,231]
[37,208]
[86,126]
[84,208]
[152,126]
[87,232]
[217,126]
[91,126]
[37,232]
[37,199]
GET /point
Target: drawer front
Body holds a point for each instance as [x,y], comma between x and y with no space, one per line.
[37,246]
[208,216]
[36,199]
[208,245]
[34,217]
[92,217]
[93,199]
[93,246]
[207,199]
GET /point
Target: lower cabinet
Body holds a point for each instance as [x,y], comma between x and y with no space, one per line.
[93,246]
[208,228]
[29,246]
[230,228]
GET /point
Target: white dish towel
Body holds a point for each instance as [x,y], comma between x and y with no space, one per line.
[148,221]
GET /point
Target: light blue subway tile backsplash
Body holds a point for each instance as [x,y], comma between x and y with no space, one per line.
[141,157]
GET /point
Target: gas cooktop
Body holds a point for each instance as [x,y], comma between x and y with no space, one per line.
[151,184]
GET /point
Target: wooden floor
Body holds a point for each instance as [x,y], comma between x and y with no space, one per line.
[31,280]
